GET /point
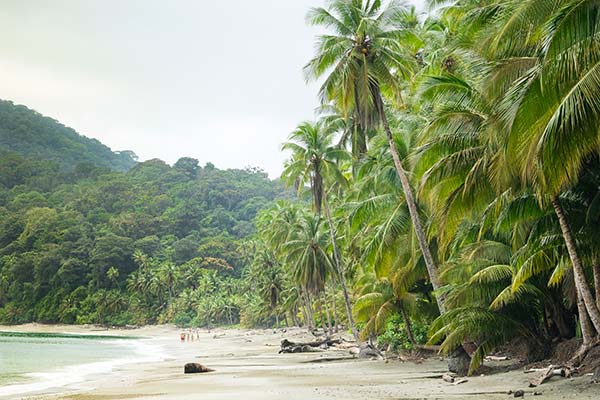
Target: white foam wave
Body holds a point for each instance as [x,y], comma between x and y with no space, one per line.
[76,374]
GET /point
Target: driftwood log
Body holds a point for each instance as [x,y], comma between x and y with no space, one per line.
[307,347]
[547,373]
[368,351]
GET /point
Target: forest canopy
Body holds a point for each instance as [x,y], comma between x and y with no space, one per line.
[91,245]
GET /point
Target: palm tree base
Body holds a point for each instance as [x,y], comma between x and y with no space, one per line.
[459,361]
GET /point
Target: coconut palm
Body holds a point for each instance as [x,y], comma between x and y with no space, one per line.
[554,127]
[307,257]
[363,61]
[314,161]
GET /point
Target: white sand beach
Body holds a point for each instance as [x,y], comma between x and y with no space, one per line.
[247,365]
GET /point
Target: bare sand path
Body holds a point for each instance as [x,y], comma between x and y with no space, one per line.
[248,367]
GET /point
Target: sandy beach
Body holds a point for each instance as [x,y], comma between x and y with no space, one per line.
[247,364]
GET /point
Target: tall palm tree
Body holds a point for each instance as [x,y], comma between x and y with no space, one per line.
[315,160]
[307,256]
[363,60]
[555,126]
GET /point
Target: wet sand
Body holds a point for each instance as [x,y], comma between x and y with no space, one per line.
[247,366]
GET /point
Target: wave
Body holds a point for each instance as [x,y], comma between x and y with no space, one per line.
[75,374]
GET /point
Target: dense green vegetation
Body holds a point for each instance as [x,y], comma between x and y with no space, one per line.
[448,192]
[25,132]
[155,244]
[463,193]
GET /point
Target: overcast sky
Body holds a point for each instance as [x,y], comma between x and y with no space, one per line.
[220,81]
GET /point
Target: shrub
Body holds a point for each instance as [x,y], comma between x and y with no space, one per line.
[396,337]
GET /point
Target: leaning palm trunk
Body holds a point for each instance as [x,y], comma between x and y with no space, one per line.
[596,268]
[586,332]
[584,322]
[578,272]
[412,208]
[327,313]
[407,325]
[334,310]
[309,320]
[339,270]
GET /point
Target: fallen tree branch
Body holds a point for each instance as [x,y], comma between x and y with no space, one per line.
[548,373]
[307,347]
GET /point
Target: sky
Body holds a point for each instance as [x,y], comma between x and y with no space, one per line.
[220,81]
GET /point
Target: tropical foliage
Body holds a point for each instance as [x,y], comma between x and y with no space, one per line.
[155,244]
[469,198]
[450,183]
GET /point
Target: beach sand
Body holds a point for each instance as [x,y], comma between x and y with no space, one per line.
[248,367]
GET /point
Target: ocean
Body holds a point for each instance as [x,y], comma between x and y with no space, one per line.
[36,362]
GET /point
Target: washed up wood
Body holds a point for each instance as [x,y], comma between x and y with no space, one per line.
[307,347]
[497,358]
[369,351]
[547,373]
[453,380]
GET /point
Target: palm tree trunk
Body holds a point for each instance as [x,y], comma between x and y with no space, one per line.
[584,322]
[334,309]
[309,310]
[322,315]
[596,268]
[295,316]
[407,325]
[304,307]
[586,332]
[327,314]
[412,208]
[340,271]
[581,284]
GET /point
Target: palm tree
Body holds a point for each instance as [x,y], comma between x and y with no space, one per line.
[363,60]
[555,127]
[267,278]
[315,159]
[306,254]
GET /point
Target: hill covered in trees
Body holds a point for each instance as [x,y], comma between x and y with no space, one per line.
[30,134]
[157,243]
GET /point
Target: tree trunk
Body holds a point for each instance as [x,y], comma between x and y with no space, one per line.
[295,316]
[324,300]
[309,310]
[407,324]
[322,316]
[581,284]
[596,268]
[305,313]
[334,309]
[584,322]
[340,270]
[412,208]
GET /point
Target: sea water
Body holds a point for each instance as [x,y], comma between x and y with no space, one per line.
[34,362]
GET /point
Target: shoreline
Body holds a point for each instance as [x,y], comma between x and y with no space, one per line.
[246,364]
[65,375]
